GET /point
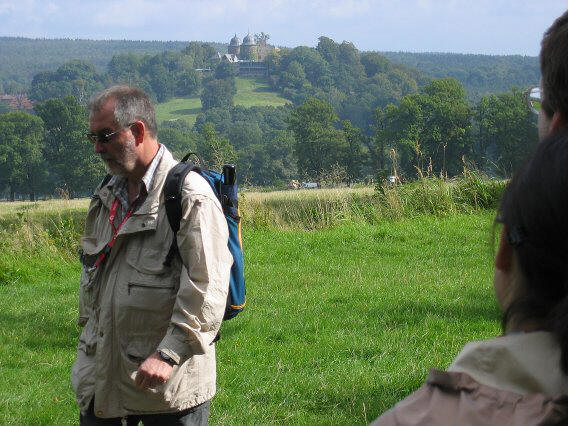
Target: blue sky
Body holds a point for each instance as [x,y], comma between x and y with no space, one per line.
[474,26]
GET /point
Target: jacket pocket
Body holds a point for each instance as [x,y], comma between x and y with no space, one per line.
[148,259]
[134,353]
[147,295]
[90,277]
[151,286]
[149,301]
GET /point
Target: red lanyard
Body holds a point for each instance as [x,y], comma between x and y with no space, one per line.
[112,216]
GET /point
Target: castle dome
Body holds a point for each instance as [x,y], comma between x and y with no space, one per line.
[235,41]
[248,40]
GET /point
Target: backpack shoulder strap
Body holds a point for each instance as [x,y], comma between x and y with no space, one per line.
[172,199]
[105,180]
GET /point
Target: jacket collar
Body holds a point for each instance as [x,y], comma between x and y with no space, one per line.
[521,363]
[150,205]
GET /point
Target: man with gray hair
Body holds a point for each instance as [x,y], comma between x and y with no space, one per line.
[146,352]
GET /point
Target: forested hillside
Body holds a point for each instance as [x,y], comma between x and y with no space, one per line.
[351,116]
[22,58]
[480,74]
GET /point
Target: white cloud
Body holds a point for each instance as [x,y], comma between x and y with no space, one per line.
[349,8]
[7,7]
[126,13]
[52,8]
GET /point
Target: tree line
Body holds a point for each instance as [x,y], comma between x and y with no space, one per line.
[433,131]
[354,82]
[162,76]
[47,152]
[22,58]
[480,75]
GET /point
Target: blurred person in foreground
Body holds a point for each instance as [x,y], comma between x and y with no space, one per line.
[551,98]
[146,351]
[521,377]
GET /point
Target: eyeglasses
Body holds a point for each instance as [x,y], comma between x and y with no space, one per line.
[534,100]
[104,137]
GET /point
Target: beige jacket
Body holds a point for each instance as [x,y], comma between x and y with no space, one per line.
[510,380]
[133,305]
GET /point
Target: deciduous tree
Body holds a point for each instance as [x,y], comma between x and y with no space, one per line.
[506,131]
[22,168]
[73,164]
[319,144]
[217,94]
[216,150]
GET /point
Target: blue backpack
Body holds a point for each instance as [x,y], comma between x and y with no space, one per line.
[224,186]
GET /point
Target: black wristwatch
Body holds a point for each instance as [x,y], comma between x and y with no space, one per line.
[165,357]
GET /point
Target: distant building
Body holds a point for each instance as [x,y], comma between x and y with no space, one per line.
[235,46]
[17,102]
[252,68]
[245,56]
[248,49]
[230,57]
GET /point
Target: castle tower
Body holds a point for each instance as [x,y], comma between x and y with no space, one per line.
[248,49]
[235,46]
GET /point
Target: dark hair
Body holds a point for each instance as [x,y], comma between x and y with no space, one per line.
[554,67]
[131,104]
[534,210]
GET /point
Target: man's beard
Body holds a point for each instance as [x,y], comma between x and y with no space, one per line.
[123,163]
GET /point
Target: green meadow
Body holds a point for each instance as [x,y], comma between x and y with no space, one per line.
[344,318]
[250,92]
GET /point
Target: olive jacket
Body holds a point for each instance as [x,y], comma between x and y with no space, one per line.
[133,304]
[513,380]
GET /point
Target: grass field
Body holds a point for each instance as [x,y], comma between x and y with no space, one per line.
[255,92]
[250,92]
[185,109]
[341,322]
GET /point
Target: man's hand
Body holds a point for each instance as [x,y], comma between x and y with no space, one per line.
[153,372]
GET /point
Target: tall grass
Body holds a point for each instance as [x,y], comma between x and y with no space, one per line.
[322,208]
[34,233]
[58,224]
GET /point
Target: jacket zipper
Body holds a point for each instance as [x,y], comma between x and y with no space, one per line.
[151,286]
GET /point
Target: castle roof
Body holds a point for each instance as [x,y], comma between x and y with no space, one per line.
[235,41]
[248,40]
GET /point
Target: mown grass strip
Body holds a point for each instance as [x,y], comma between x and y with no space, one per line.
[250,92]
[340,324]
[257,92]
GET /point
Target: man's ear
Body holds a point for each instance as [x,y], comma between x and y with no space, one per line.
[557,122]
[138,129]
[504,257]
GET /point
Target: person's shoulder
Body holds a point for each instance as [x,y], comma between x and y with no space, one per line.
[195,183]
[196,186]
